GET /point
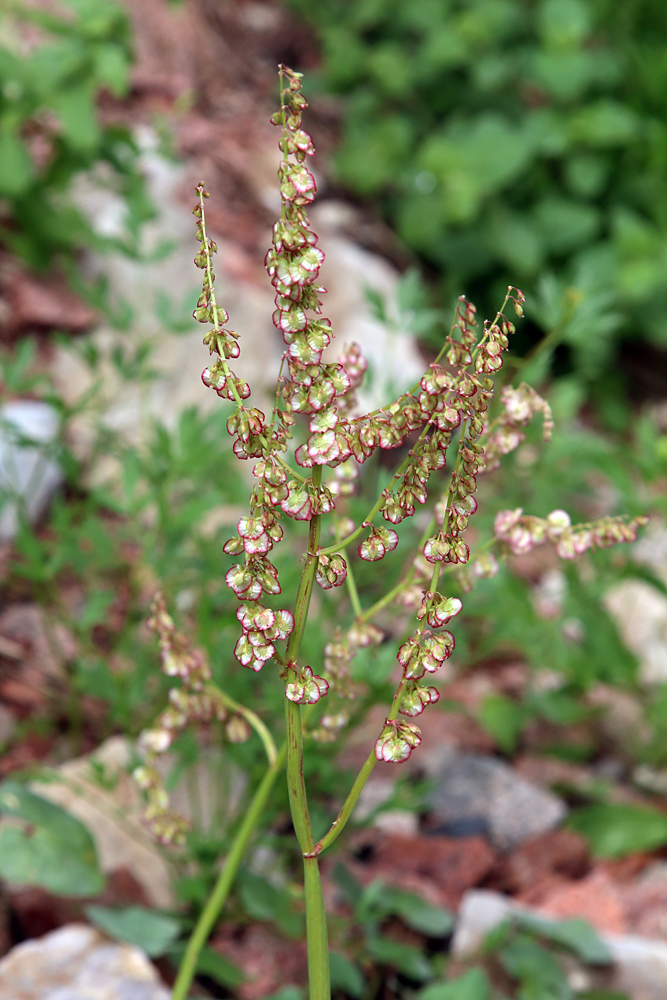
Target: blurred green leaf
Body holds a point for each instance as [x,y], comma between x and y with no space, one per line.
[41,844]
[153,932]
[345,975]
[613,830]
[504,719]
[575,935]
[433,921]
[212,964]
[472,985]
[405,958]
[16,168]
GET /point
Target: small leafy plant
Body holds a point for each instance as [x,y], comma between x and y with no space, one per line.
[449,438]
[53,69]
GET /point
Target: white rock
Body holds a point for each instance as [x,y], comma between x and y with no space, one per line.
[640,613]
[29,474]
[129,408]
[641,964]
[77,963]
[243,288]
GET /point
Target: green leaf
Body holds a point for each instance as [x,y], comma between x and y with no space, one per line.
[347,883]
[76,109]
[472,985]
[575,935]
[345,975]
[153,932]
[504,719]
[15,165]
[212,964]
[433,921]
[615,830]
[263,901]
[46,846]
[287,993]
[405,958]
[536,969]
[112,68]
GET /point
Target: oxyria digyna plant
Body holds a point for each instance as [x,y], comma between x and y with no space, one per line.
[306,455]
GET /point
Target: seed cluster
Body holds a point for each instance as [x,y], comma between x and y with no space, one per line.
[451,399]
[522,532]
[195,701]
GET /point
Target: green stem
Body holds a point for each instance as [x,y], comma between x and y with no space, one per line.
[216,900]
[252,719]
[343,816]
[344,542]
[316,921]
[295,784]
[353,592]
[316,932]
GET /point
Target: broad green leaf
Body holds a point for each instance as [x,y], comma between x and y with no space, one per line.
[604,123]
[263,901]
[536,969]
[347,883]
[287,993]
[15,165]
[433,921]
[153,932]
[75,108]
[212,964]
[614,830]
[112,67]
[405,958]
[46,846]
[504,719]
[345,975]
[575,935]
[472,985]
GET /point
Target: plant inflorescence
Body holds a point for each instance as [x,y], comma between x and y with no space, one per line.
[307,454]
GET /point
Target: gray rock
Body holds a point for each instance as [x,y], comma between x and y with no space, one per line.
[29,474]
[77,963]
[640,963]
[486,793]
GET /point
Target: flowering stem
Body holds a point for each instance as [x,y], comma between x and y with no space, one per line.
[316,923]
[353,592]
[352,537]
[343,816]
[208,282]
[218,897]
[252,719]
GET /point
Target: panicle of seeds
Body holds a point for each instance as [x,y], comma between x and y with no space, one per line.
[522,532]
[195,701]
[507,432]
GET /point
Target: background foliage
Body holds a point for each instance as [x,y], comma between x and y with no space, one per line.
[515,141]
[53,70]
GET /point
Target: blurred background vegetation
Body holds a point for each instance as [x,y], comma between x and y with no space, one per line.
[516,141]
